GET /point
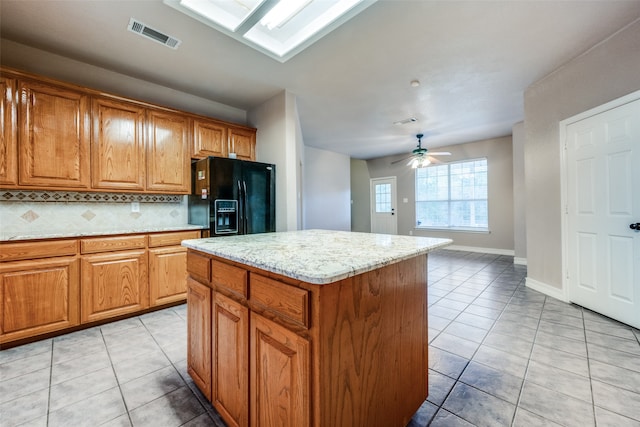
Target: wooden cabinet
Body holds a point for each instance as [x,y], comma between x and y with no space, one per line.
[118,145]
[38,296]
[114,284]
[168,160]
[54,137]
[230,347]
[168,267]
[242,141]
[9,134]
[280,375]
[209,139]
[199,335]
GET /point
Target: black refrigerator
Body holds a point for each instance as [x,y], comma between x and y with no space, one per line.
[233,196]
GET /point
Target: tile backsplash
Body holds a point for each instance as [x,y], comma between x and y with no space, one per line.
[29,211]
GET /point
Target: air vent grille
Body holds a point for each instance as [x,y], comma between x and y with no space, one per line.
[144,30]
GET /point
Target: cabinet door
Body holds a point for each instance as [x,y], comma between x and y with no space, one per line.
[230,376]
[209,139]
[279,375]
[38,296]
[199,335]
[118,149]
[167,275]
[113,284]
[243,143]
[54,137]
[168,160]
[9,134]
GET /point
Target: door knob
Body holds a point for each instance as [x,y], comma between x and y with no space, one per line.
[635,226]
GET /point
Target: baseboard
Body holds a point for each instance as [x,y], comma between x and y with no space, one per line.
[546,289]
[492,251]
[519,261]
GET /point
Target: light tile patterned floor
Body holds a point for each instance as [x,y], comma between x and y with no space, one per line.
[500,354]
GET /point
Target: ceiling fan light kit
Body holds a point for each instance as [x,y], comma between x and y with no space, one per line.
[420,157]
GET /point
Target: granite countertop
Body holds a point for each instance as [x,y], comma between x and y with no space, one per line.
[8,235]
[317,256]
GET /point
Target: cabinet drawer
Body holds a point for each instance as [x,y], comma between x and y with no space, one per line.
[30,250]
[108,244]
[285,300]
[199,266]
[170,239]
[229,277]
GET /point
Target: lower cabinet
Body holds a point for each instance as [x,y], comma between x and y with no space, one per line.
[230,347]
[114,284]
[199,335]
[38,296]
[167,275]
[279,375]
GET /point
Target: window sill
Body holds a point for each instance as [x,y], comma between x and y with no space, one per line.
[455,229]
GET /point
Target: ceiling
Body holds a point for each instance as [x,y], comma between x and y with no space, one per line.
[474,59]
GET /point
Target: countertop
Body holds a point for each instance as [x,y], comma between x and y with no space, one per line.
[8,235]
[317,256]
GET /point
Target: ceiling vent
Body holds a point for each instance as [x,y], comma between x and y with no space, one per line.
[144,30]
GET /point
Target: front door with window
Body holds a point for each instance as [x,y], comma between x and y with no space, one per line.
[383,206]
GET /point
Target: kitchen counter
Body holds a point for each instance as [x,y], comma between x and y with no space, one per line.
[8,235]
[319,328]
[317,256]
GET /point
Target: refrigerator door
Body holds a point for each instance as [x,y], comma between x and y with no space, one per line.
[258,197]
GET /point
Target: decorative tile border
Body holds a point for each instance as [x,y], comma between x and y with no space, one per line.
[72,196]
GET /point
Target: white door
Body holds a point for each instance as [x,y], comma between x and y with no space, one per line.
[383,206]
[603,203]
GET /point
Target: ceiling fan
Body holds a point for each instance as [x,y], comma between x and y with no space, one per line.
[421,157]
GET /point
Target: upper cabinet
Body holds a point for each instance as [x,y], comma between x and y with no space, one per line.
[54,137]
[168,160]
[209,138]
[118,147]
[242,142]
[60,136]
[9,135]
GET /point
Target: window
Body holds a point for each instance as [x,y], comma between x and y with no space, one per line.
[383,198]
[453,196]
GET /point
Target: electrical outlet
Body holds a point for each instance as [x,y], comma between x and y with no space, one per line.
[135,206]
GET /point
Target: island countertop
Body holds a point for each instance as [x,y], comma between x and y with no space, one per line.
[317,256]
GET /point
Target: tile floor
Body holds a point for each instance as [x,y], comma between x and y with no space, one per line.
[500,354]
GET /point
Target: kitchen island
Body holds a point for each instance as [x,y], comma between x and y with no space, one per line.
[313,327]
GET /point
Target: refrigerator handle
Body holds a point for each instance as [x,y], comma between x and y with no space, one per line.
[240,209]
[244,207]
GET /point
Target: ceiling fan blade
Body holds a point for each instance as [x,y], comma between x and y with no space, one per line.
[439,153]
[401,160]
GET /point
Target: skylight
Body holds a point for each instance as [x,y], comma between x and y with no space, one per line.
[278,28]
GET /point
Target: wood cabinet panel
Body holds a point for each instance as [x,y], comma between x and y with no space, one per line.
[172,238]
[38,296]
[54,137]
[113,284]
[9,134]
[199,335]
[243,143]
[230,349]
[279,375]
[285,300]
[31,250]
[199,266]
[209,139]
[118,145]
[233,279]
[168,159]
[108,244]
[167,275]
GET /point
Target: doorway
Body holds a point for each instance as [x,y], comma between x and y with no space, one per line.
[383,205]
[601,199]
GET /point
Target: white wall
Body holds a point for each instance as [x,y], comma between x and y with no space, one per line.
[519,196]
[360,197]
[327,190]
[608,71]
[278,142]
